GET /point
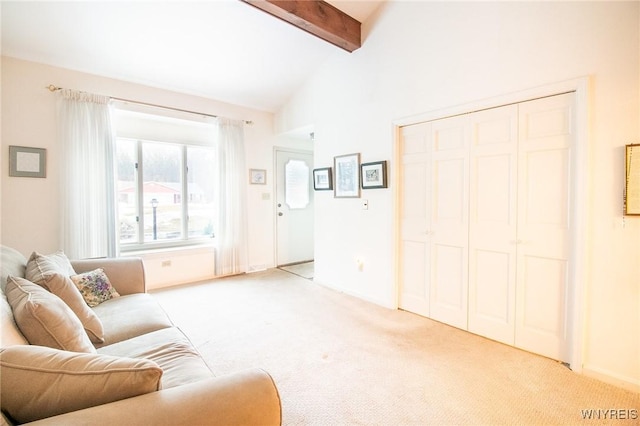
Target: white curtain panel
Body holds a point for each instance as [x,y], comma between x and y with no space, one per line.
[230,198]
[87,144]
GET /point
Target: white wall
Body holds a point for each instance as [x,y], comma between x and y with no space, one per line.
[419,57]
[30,207]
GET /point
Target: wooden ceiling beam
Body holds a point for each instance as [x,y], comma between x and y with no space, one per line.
[316,17]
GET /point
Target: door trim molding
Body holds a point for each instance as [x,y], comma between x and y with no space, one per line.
[580,201]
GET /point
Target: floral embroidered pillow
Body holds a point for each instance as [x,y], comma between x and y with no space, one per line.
[95,287]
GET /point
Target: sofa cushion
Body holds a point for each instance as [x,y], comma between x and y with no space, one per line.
[129,316]
[63,287]
[171,350]
[42,264]
[10,334]
[95,287]
[52,272]
[12,262]
[44,318]
[55,382]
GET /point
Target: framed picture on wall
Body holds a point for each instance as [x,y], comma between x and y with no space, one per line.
[258,176]
[27,162]
[322,179]
[347,169]
[373,175]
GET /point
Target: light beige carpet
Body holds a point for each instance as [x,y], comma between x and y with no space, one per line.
[338,360]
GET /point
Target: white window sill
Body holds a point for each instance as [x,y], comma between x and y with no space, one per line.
[175,250]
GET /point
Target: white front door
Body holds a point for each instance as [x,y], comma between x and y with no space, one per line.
[294,206]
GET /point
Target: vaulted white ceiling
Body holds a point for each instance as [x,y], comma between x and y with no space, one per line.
[220,49]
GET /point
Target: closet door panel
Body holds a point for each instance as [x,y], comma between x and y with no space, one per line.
[414,295]
[492,223]
[543,285]
[544,226]
[491,300]
[449,285]
[449,203]
[415,190]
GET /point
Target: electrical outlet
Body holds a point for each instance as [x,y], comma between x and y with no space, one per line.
[165,263]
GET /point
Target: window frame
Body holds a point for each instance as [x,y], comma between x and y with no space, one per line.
[185,240]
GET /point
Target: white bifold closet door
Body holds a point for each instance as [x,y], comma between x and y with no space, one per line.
[449,205]
[485,222]
[493,223]
[546,138]
[415,221]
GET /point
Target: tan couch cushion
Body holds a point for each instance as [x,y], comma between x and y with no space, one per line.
[44,318]
[9,333]
[55,382]
[63,287]
[12,262]
[171,350]
[52,272]
[42,264]
[129,316]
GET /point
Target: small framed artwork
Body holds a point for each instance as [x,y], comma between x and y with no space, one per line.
[27,162]
[322,179]
[257,176]
[374,175]
[347,169]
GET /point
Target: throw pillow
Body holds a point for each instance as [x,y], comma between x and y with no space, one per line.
[52,272]
[65,289]
[44,318]
[9,332]
[56,382]
[95,287]
[40,264]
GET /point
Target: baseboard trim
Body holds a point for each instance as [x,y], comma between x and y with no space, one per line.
[354,294]
[612,378]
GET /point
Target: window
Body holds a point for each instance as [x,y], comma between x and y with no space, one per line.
[165,187]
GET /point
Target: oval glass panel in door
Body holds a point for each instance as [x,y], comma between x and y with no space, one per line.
[296,184]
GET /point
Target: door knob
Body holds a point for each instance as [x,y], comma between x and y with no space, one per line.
[279,213]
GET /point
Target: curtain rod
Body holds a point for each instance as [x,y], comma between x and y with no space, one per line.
[52,88]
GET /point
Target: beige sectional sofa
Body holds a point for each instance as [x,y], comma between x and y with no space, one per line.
[121,361]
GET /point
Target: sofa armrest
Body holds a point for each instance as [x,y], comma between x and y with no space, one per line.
[246,398]
[125,273]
